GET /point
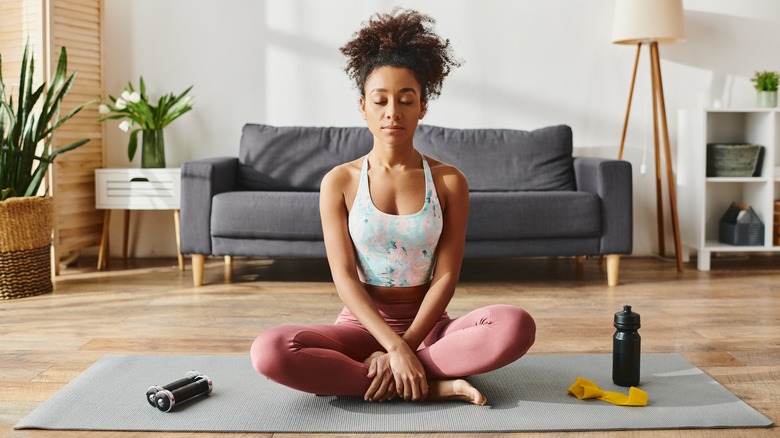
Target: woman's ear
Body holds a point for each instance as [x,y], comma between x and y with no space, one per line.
[423,108]
[363,107]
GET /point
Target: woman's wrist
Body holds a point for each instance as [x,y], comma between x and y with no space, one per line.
[397,346]
[411,341]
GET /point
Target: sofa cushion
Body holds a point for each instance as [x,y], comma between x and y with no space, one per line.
[267,215]
[504,159]
[492,216]
[533,215]
[296,157]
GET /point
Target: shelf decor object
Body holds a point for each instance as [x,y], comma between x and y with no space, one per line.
[741,226]
[652,22]
[137,113]
[776,225]
[766,83]
[737,160]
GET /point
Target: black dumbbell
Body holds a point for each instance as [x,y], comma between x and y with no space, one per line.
[165,400]
[153,390]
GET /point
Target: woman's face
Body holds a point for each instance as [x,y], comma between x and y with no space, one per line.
[392,104]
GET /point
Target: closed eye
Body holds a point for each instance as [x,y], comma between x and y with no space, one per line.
[384,102]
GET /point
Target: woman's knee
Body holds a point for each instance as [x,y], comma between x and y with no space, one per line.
[519,325]
[268,351]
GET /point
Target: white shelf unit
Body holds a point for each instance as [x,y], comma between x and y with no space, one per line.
[702,200]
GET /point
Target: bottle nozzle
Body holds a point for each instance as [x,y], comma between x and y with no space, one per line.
[627,319]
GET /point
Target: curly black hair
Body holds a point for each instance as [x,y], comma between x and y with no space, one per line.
[403,38]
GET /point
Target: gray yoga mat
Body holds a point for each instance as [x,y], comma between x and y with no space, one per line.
[528,395]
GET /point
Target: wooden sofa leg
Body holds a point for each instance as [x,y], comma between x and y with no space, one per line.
[198,260]
[228,269]
[613,265]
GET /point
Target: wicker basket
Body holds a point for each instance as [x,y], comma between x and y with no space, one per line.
[25,247]
[733,160]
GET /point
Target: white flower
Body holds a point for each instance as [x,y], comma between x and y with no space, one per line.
[126,95]
[103,109]
[124,125]
[121,104]
[134,97]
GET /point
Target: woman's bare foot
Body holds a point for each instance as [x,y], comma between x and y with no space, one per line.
[458,389]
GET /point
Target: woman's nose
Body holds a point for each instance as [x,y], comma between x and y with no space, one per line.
[391,111]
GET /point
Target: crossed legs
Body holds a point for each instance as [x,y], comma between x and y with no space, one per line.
[327,359]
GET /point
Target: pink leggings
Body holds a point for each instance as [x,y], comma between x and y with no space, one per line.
[327,359]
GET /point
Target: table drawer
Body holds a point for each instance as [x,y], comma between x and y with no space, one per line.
[138,189]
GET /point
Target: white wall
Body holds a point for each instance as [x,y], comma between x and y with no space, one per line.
[528,64]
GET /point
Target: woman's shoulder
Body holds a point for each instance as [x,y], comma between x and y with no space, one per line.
[448,179]
[343,175]
[442,171]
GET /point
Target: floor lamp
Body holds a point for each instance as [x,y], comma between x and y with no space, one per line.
[652,22]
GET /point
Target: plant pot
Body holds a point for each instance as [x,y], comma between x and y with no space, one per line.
[25,247]
[152,149]
[766,99]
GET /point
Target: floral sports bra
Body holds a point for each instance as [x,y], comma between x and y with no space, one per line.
[395,250]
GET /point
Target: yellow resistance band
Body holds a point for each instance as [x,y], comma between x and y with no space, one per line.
[585,389]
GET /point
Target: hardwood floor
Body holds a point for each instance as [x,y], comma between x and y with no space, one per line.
[726,321]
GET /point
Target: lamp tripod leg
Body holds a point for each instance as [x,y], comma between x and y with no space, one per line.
[659,89]
[659,203]
[628,107]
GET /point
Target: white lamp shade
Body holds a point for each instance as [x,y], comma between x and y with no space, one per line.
[638,21]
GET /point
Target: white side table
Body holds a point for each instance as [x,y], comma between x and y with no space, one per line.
[136,189]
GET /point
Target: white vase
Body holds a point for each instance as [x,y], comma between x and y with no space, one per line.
[766,99]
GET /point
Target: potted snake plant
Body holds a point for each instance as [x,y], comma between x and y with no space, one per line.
[27,125]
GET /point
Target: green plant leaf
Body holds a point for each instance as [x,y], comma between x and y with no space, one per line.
[132,145]
[67,117]
[143,90]
[7,193]
[766,80]
[114,117]
[40,171]
[29,127]
[59,74]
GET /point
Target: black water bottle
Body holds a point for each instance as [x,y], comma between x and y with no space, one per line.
[626,348]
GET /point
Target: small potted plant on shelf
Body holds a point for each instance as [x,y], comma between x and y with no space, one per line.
[134,108]
[26,130]
[766,85]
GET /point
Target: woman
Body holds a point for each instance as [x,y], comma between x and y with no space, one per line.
[394,223]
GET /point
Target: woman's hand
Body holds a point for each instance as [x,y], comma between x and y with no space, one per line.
[383,385]
[399,373]
[409,374]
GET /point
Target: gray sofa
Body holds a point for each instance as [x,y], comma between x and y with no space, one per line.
[529,195]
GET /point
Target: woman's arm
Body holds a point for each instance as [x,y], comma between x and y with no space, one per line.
[400,365]
[341,258]
[453,192]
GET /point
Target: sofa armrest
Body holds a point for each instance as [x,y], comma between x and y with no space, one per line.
[200,181]
[611,180]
